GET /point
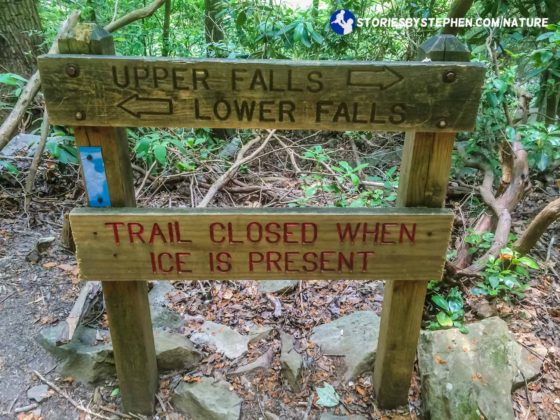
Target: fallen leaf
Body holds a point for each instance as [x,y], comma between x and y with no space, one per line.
[327,396]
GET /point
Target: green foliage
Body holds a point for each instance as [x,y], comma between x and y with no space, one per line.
[62,147]
[13,80]
[547,57]
[6,165]
[542,143]
[505,276]
[448,306]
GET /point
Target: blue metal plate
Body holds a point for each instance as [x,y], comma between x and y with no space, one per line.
[95,177]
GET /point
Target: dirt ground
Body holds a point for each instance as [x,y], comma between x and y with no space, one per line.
[37,294]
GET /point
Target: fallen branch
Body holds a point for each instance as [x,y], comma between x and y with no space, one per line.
[36,158]
[538,226]
[63,394]
[135,15]
[32,87]
[34,83]
[240,160]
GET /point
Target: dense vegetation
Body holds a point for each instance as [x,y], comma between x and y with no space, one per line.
[517,121]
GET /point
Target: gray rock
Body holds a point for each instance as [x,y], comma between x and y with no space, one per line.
[262,362]
[223,338]
[259,333]
[21,142]
[90,362]
[175,351]
[277,286]
[43,244]
[162,317]
[158,293]
[354,337]
[291,362]
[207,399]
[38,393]
[271,416]
[469,376]
[329,416]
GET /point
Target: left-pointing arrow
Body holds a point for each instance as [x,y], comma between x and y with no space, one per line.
[137,106]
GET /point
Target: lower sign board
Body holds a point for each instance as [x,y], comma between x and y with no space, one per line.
[307,244]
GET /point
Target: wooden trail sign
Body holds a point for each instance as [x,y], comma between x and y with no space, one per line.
[431,100]
[203,244]
[213,93]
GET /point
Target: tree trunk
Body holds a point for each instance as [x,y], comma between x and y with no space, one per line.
[165,34]
[538,226]
[21,36]
[212,29]
[458,9]
[214,34]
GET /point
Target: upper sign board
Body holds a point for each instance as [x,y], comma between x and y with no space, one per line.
[316,95]
[213,244]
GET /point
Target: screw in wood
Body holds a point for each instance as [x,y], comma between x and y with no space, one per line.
[100,199]
[80,115]
[442,123]
[89,157]
[449,76]
[72,70]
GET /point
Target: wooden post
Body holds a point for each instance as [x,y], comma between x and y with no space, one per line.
[425,166]
[126,302]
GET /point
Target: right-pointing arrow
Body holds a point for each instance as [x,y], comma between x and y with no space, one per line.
[381,78]
[137,106]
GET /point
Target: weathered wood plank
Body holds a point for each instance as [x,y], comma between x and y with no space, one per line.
[127,304]
[215,93]
[331,244]
[424,174]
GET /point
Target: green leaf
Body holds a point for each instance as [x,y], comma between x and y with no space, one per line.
[444,319]
[160,152]
[494,281]
[116,392]
[327,396]
[529,262]
[440,301]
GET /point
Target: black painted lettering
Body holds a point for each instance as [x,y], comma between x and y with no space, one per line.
[355,112]
[315,78]
[244,110]
[159,73]
[320,109]
[197,113]
[264,109]
[341,111]
[235,78]
[258,80]
[222,110]
[140,73]
[373,115]
[124,83]
[200,75]
[291,88]
[400,111]
[287,108]
[271,82]
[177,79]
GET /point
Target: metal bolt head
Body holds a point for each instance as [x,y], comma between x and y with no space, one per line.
[442,123]
[449,76]
[72,70]
[80,115]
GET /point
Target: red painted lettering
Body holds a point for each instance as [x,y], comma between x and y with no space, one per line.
[385,232]
[115,230]
[156,232]
[135,233]
[255,258]
[213,228]
[179,262]
[410,235]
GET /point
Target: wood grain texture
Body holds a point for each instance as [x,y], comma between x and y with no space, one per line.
[127,304]
[424,174]
[271,244]
[218,93]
